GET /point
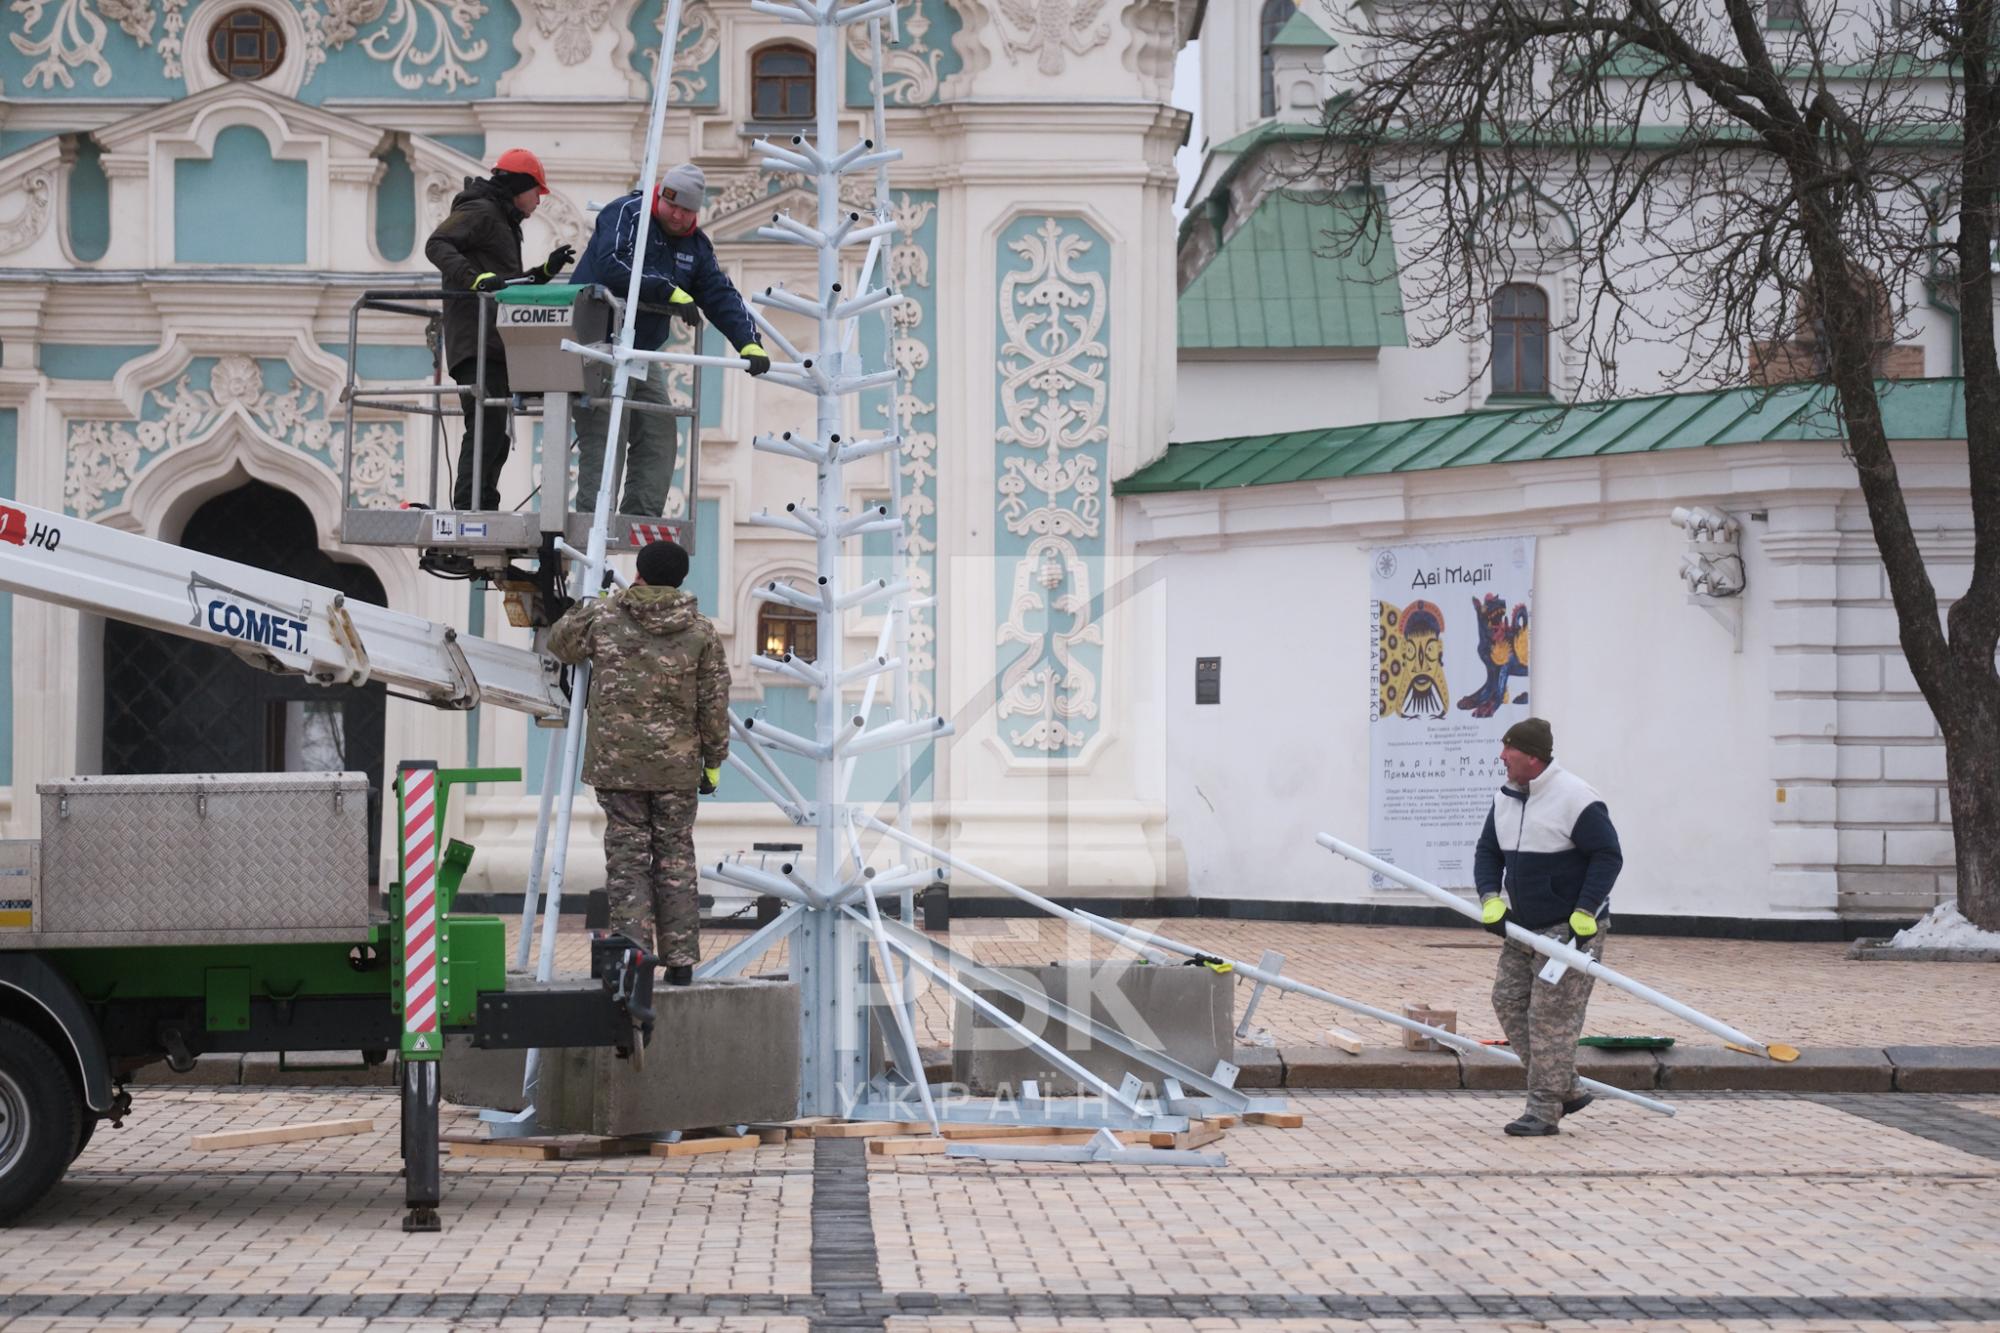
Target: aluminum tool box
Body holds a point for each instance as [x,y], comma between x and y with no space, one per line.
[194,859]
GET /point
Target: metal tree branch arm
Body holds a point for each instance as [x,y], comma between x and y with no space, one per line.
[1561,952]
[1124,935]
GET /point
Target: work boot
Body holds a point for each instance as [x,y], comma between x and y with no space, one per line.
[1577,1103]
[680,974]
[1531,1127]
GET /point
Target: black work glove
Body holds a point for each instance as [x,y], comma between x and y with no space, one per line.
[757,358]
[684,309]
[487,282]
[559,259]
[1493,916]
[710,778]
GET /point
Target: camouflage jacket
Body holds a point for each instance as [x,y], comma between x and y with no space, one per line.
[659,689]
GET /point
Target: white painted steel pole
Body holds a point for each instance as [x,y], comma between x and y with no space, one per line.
[531,892]
[1123,935]
[1561,952]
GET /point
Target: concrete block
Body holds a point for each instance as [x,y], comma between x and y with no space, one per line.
[1186,1012]
[1262,1067]
[1821,1069]
[1920,847]
[1859,763]
[1897,676]
[1861,847]
[1946,1068]
[1868,627]
[1812,719]
[1859,674]
[1636,1071]
[1375,1067]
[217,1069]
[1913,763]
[1809,804]
[1859,582]
[1894,718]
[1804,847]
[315,1069]
[1811,626]
[1805,673]
[723,1052]
[1805,762]
[1888,805]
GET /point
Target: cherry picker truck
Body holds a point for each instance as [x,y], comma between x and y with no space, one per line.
[162,917]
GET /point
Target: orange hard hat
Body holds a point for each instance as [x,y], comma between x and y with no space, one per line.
[524,163]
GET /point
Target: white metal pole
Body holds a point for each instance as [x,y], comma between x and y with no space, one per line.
[1565,954]
[531,892]
[1123,935]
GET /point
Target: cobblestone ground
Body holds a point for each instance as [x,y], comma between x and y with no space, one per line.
[1805,994]
[1386,1211]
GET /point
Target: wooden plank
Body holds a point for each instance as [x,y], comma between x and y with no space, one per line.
[257,1138]
[931,1147]
[700,1147]
[865,1129]
[974,1131]
[1220,1121]
[470,1145]
[773,1134]
[1343,1040]
[1276,1119]
[1195,1136]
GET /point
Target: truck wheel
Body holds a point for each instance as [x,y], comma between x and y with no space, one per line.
[41,1118]
[89,1123]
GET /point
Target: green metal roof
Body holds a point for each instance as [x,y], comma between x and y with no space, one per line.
[1271,286]
[1301,29]
[1911,409]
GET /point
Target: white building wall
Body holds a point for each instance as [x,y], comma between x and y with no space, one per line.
[1263,393]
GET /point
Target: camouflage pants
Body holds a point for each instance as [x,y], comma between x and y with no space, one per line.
[1542,1022]
[650,872]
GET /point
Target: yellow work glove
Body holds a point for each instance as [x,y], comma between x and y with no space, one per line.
[711,778]
[1582,925]
[684,308]
[759,359]
[1493,916]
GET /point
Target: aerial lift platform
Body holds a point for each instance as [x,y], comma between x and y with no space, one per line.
[517,548]
[162,917]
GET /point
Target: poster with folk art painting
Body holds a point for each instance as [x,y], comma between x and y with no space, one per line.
[1450,628]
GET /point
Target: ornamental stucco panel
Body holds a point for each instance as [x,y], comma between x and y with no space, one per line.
[697,76]
[1052,379]
[914,69]
[102,458]
[342,48]
[913,410]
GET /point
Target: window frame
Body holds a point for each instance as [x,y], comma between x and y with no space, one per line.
[776,613]
[784,82]
[1518,330]
[1271,21]
[224,30]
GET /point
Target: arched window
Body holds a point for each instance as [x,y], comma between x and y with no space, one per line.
[1277,13]
[785,629]
[246,44]
[782,86]
[1520,340]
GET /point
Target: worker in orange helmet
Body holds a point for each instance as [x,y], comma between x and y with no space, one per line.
[478,249]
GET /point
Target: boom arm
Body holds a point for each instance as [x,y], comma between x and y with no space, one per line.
[281,624]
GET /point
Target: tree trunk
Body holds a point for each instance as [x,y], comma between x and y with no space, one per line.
[1972,770]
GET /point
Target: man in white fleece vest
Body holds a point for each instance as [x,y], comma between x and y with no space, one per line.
[1549,846]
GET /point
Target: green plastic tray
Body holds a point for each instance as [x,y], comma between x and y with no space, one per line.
[1627,1043]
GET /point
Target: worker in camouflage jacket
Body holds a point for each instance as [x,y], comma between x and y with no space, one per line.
[659,731]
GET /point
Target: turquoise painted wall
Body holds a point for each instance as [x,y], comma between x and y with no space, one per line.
[386,361]
[241,206]
[13,141]
[419,52]
[396,207]
[700,87]
[10,423]
[79,361]
[913,69]
[89,219]
[1051,452]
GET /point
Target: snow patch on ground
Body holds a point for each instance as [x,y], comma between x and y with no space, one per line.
[1945,928]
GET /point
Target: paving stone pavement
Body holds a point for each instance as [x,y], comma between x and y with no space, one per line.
[1394,1210]
[1807,994]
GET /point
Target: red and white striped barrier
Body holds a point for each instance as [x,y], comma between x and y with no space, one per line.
[645,533]
[420,991]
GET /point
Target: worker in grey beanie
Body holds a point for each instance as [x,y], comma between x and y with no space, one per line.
[681,279]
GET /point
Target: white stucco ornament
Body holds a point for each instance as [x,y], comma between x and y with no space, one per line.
[75,37]
[26,224]
[569,23]
[1051,27]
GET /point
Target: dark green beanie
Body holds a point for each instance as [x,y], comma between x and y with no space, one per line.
[1532,736]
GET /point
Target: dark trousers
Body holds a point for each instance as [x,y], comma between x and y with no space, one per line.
[496,445]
